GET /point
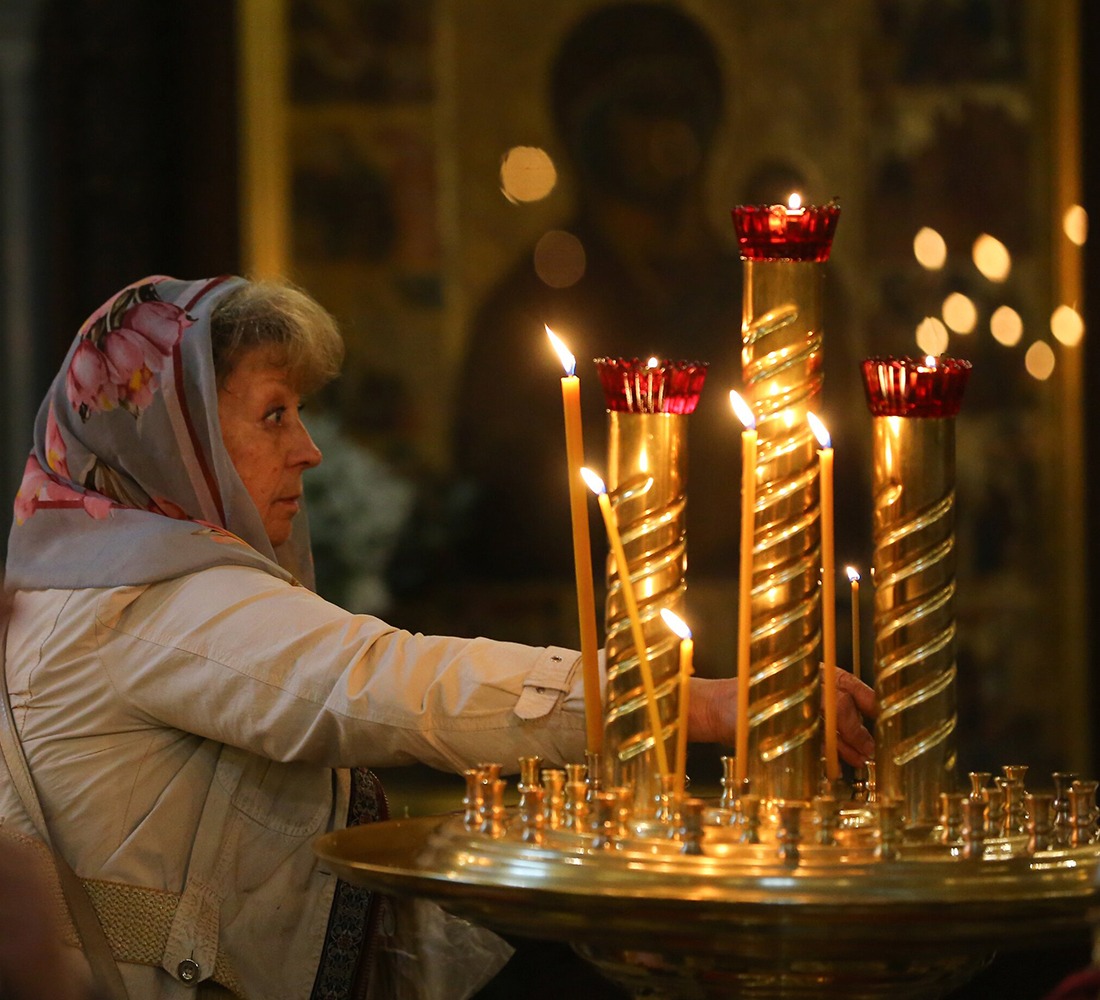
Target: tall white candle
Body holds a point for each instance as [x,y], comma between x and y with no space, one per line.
[744,589]
[828,596]
[582,551]
[853,580]
[687,656]
[622,567]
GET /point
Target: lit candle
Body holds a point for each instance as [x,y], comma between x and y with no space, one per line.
[828,596]
[687,655]
[582,551]
[596,485]
[853,579]
[744,590]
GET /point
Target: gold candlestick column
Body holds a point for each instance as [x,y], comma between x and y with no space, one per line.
[644,448]
[647,412]
[782,358]
[783,252]
[914,404]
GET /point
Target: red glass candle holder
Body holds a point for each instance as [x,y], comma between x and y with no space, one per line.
[915,387]
[775,232]
[633,386]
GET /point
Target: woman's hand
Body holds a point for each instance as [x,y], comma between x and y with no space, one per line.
[855,701]
[712,714]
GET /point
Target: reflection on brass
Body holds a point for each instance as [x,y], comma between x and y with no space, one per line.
[788,832]
[888,812]
[553,784]
[531,818]
[644,446]
[492,822]
[1063,780]
[973,827]
[691,826]
[529,770]
[826,817]
[782,365]
[473,801]
[914,573]
[696,912]
[1083,814]
[593,769]
[978,781]
[995,810]
[1015,818]
[1040,830]
[575,816]
[951,816]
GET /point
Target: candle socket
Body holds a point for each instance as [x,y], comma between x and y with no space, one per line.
[553,784]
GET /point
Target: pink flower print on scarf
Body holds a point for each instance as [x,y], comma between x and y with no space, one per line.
[39,490]
[121,353]
[55,446]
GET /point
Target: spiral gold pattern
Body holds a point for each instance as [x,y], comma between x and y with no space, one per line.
[782,346]
[646,463]
[914,625]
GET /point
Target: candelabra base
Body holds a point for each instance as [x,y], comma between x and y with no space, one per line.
[712,917]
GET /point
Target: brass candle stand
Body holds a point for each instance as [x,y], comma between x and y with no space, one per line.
[740,897]
[901,886]
[914,403]
[782,357]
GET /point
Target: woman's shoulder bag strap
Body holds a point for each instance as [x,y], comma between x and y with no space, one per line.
[96,948]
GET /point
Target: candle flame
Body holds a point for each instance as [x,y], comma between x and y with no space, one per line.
[676,623]
[795,200]
[653,363]
[819,430]
[930,361]
[569,363]
[853,573]
[742,409]
[592,481]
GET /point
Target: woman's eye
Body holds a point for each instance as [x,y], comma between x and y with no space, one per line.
[276,415]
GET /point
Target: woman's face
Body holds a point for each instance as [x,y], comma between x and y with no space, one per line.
[266,439]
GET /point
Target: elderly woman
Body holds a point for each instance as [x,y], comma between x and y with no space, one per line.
[192,713]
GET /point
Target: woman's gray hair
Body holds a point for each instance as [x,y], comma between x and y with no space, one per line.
[300,334]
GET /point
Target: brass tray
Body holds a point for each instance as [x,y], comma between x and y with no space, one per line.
[736,921]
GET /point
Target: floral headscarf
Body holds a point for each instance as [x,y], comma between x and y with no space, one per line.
[128,481]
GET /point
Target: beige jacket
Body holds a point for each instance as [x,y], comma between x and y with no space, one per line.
[189,736]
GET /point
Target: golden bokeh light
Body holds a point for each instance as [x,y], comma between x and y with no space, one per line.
[527,174]
[930,249]
[1039,361]
[991,257]
[1075,224]
[1006,326]
[959,313]
[559,259]
[932,336]
[1067,326]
